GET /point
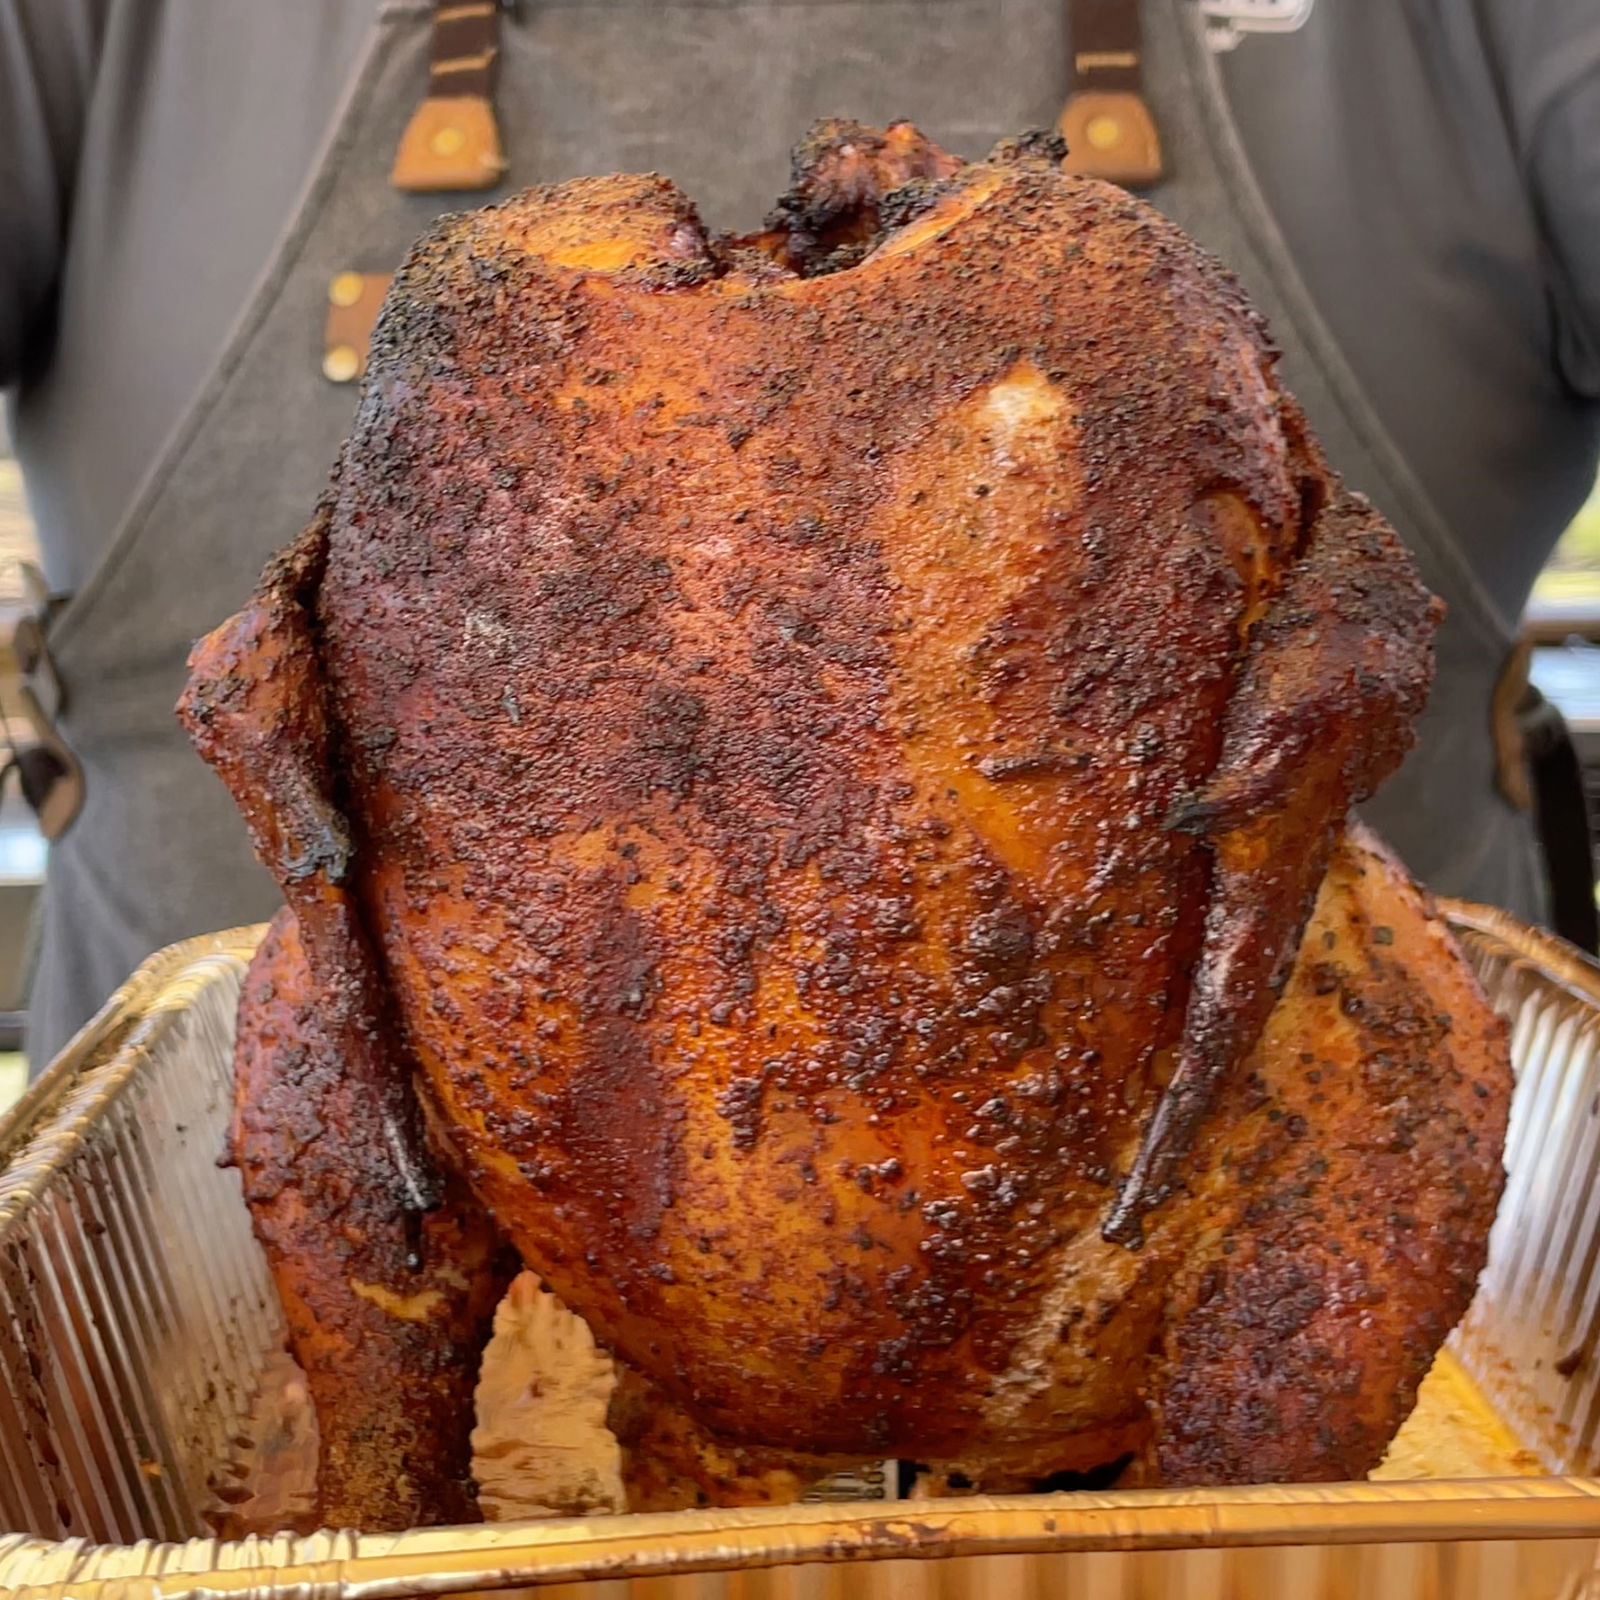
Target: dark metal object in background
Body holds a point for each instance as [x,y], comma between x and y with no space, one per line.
[1557,736]
[1561,811]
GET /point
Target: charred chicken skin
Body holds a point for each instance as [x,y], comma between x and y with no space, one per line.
[810,777]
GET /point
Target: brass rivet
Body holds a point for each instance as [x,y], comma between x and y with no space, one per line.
[1104,132]
[345,290]
[447,141]
[341,363]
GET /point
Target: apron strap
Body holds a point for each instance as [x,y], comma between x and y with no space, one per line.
[453,140]
[1107,122]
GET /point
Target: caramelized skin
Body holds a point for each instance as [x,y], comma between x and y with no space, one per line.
[671,1463]
[1344,1188]
[1322,714]
[845,177]
[388,1312]
[837,768]
[258,712]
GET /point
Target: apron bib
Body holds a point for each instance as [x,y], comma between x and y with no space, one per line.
[585,86]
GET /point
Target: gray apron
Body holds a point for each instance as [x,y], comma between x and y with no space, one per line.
[159,853]
[1443,811]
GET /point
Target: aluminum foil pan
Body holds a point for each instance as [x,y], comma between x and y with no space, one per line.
[139,1333]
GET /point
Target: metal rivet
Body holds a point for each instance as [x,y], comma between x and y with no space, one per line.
[345,290]
[341,363]
[447,141]
[1103,132]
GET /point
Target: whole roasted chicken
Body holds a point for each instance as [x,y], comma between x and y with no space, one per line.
[811,778]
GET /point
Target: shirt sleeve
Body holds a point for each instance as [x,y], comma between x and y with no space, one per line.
[48,51]
[1551,61]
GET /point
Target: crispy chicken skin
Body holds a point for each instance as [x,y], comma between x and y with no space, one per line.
[1341,1197]
[388,1310]
[816,752]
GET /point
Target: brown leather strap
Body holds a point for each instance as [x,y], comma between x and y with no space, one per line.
[453,141]
[1107,122]
[1107,45]
[466,40]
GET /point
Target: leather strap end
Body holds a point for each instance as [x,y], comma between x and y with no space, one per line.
[354,301]
[450,143]
[1111,134]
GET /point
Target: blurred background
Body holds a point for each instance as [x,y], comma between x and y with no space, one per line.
[1563,619]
